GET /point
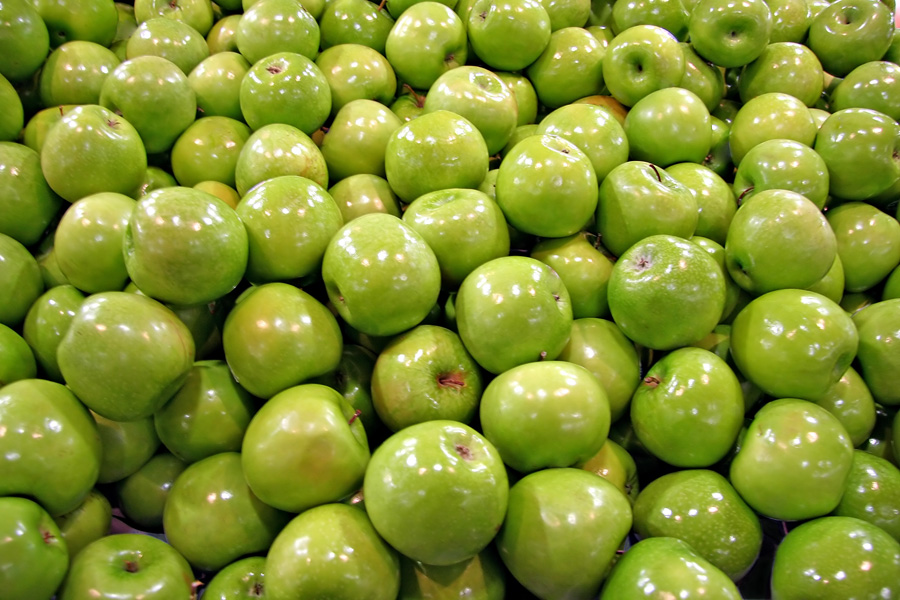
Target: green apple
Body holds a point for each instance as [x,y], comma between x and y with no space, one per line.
[51,447]
[289,222]
[425,41]
[878,326]
[208,415]
[785,67]
[436,492]
[689,408]
[481,577]
[34,553]
[615,464]
[196,13]
[480,97]
[213,518]
[353,379]
[13,119]
[671,16]
[513,310]
[567,13]
[730,34]
[25,45]
[638,200]
[129,566]
[545,414]
[851,402]
[354,22]
[836,557]
[90,521]
[871,85]
[88,242]
[601,347]
[111,156]
[719,158]
[782,165]
[243,579]
[362,194]
[27,204]
[793,343]
[665,292]
[594,130]
[526,96]
[46,323]
[774,224]
[75,72]
[669,567]
[20,281]
[222,191]
[170,39]
[669,126]
[216,83]
[769,116]
[701,77]
[173,237]
[583,268]
[127,446]
[287,88]
[435,151]
[142,495]
[561,532]
[465,229]
[546,186]
[331,551]
[425,374]
[271,26]
[124,355]
[716,202]
[510,36]
[868,242]
[873,492]
[570,67]
[863,164]
[640,60]
[702,509]
[209,150]
[380,274]
[357,139]
[848,33]
[154,96]
[304,447]
[278,149]
[278,336]
[794,461]
[356,72]
[790,20]
[17,360]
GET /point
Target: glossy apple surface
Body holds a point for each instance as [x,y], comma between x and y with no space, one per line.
[34,554]
[27,204]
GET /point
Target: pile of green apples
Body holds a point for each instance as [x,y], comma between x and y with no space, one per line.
[557,299]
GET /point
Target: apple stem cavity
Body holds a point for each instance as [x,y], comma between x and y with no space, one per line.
[451,380]
[652,381]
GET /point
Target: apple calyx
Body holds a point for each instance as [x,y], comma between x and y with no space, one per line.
[273,69]
[257,590]
[451,380]
[112,123]
[131,566]
[464,452]
[652,381]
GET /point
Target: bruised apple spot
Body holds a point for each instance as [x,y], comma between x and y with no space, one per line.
[464,452]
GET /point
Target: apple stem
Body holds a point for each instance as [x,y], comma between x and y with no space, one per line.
[61,111]
[542,356]
[381,5]
[356,414]
[743,194]
[652,381]
[655,170]
[420,99]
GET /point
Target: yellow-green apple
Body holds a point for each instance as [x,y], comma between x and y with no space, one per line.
[615,464]
[357,138]
[583,268]
[481,576]
[364,193]
[216,82]
[278,149]
[209,149]
[244,579]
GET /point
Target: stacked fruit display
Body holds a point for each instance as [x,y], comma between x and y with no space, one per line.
[465,299]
